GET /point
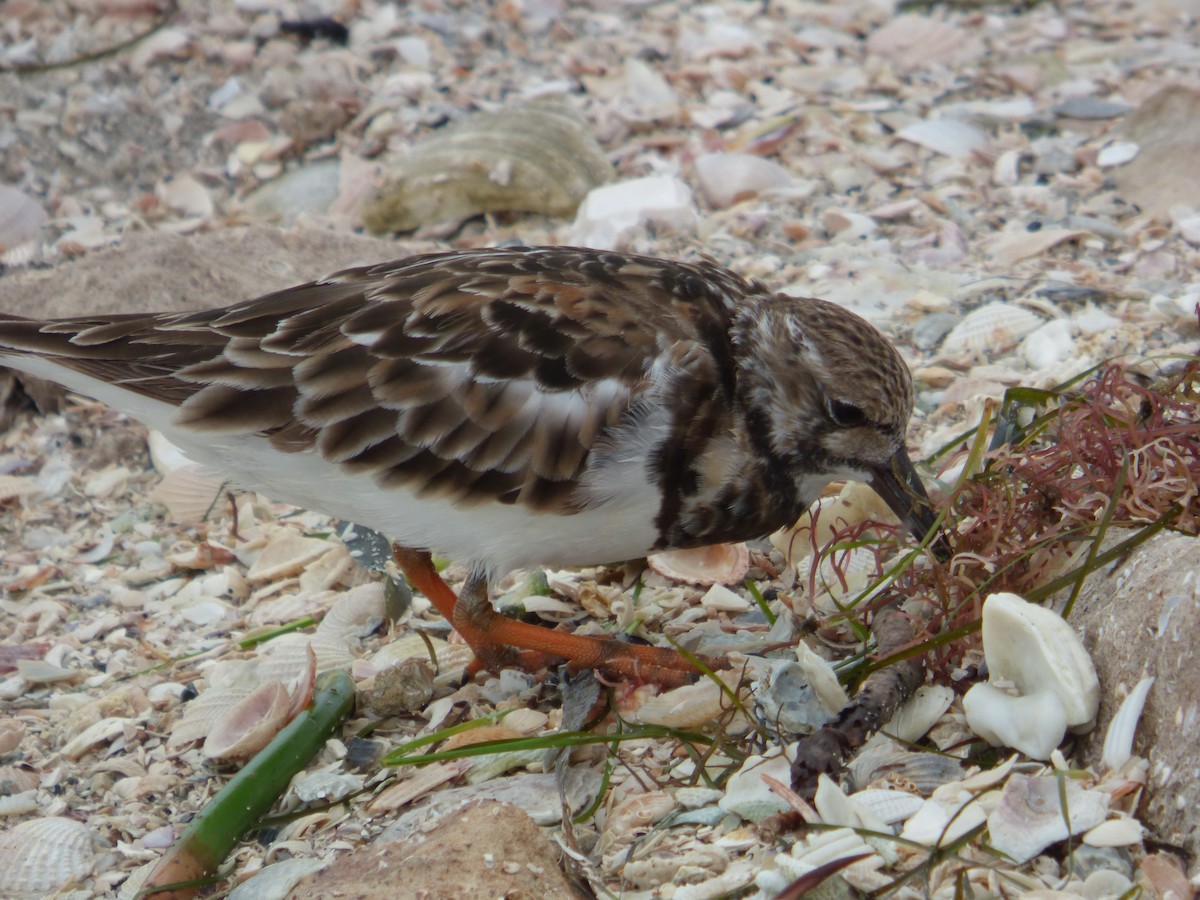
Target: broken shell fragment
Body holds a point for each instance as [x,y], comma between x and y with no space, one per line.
[1036,812]
[1040,679]
[690,705]
[535,157]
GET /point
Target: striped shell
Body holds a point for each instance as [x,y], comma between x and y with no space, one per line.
[535,157]
[991,328]
[40,857]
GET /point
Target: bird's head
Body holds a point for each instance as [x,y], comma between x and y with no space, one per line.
[831,397]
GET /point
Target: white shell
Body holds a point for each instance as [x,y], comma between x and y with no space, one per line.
[1117,154]
[727,178]
[944,818]
[286,554]
[687,706]
[748,796]
[611,214]
[920,712]
[40,857]
[888,805]
[1123,832]
[989,329]
[825,847]
[1118,740]
[1030,816]
[821,677]
[950,137]
[1041,656]
[356,613]
[836,808]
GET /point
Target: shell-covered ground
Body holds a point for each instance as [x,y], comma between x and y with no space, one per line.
[1007,190]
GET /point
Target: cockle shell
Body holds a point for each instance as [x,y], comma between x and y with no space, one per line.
[40,857]
[717,564]
[990,329]
[534,157]
[249,725]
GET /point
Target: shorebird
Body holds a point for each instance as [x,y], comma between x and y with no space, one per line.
[517,406]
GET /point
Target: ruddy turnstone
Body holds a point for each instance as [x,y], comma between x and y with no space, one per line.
[509,407]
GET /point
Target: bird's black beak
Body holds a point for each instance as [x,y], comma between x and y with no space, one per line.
[897,482]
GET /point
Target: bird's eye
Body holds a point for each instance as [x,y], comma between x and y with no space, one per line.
[846,415]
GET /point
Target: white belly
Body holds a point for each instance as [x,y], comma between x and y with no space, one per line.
[498,536]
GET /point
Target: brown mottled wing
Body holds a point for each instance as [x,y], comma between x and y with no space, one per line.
[478,375]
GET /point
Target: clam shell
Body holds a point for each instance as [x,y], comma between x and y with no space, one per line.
[40,857]
[534,157]
[886,761]
[990,329]
[1123,832]
[718,564]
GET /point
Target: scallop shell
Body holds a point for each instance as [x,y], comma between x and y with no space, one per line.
[718,564]
[534,157]
[888,805]
[40,857]
[1036,812]
[286,656]
[357,613]
[250,724]
[990,329]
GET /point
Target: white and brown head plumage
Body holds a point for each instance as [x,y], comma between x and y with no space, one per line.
[557,382]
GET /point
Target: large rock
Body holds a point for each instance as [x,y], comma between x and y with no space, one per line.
[485,850]
[1142,617]
[157,271]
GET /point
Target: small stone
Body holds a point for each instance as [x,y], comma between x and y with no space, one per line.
[1089,108]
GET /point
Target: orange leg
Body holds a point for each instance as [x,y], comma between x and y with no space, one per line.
[499,641]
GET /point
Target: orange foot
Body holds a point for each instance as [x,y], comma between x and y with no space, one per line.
[500,642]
